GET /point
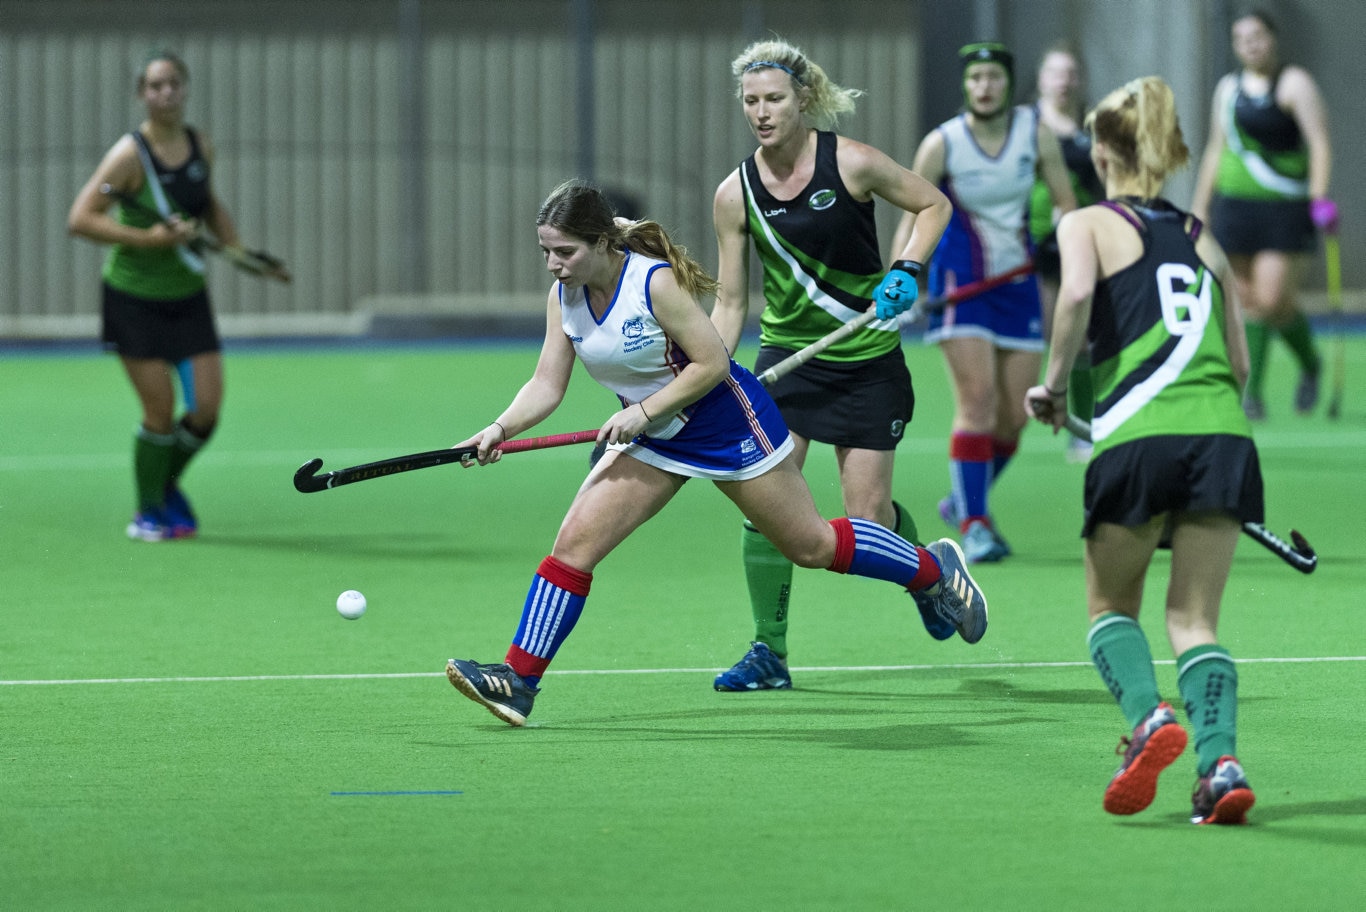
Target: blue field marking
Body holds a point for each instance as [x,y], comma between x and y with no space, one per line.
[399,792]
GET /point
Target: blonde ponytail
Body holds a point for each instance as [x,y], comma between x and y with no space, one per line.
[1138,123]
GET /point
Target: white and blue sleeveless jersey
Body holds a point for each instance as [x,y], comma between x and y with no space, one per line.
[987,234]
[733,432]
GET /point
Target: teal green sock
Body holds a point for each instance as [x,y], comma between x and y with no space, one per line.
[1257,337]
[187,444]
[1120,652]
[1300,338]
[152,467]
[1208,680]
[769,575]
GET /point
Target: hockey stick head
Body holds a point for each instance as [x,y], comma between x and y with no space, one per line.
[1308,557]
[258,262]
[306,480]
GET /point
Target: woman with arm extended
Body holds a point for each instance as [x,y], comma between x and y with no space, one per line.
[1145,287]
[625,303]
[1263,189]
[805,200]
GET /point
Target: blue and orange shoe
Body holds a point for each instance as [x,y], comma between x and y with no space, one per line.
[1156,743]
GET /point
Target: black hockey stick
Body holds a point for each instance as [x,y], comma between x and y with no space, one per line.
[307,480]
[1297,552]
[257,262]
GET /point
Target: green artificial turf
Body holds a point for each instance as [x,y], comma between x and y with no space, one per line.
[191,725]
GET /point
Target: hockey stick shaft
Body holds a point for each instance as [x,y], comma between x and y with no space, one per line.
[1332,258]
[256,262]
[1299,555]
[307,480]
[797,359]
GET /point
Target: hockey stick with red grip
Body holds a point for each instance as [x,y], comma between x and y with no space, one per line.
[307,480]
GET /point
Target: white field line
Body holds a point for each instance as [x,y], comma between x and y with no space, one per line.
[367,676]
[341,458]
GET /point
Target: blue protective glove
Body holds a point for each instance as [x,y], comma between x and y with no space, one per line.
[898,289]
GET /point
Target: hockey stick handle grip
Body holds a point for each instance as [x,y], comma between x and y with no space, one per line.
[1299,555]
[962,293]
[523,444]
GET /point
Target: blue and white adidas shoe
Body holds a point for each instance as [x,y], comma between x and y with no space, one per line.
[760,669]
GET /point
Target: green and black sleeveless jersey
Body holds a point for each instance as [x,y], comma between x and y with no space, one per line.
[1264,155]
[161,274]
[1160,363]
[821,261]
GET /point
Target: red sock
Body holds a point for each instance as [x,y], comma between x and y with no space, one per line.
[929,572]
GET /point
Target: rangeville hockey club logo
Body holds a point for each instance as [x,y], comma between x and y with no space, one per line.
[821,199]
[634,332]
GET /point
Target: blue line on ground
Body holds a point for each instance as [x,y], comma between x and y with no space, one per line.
[382,794]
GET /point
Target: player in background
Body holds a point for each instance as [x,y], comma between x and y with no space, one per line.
[624,301]
[155,305]
[1145,287]
[1263,189]
[1061,87]
[805,199]
[986,160]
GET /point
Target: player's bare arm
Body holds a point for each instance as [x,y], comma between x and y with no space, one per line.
[929,166]
[867,171]
[731,309]
[1300,95]
[1209,160]
[1053,170]
[90,218]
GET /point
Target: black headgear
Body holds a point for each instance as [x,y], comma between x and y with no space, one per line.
[988,52]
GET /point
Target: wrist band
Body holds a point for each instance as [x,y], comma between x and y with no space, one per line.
[643,412]
[503,429]
[1055,395]
[910,266]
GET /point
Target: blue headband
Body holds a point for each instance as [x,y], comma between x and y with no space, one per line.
[777,66]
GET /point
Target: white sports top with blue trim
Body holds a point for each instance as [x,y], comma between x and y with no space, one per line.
[987,233]
[627,351]
[732,433]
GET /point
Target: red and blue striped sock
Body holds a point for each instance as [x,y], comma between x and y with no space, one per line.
[864,548]
[553,605]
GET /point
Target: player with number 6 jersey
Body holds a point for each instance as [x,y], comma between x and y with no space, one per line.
[1157,332]
[1145,285]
